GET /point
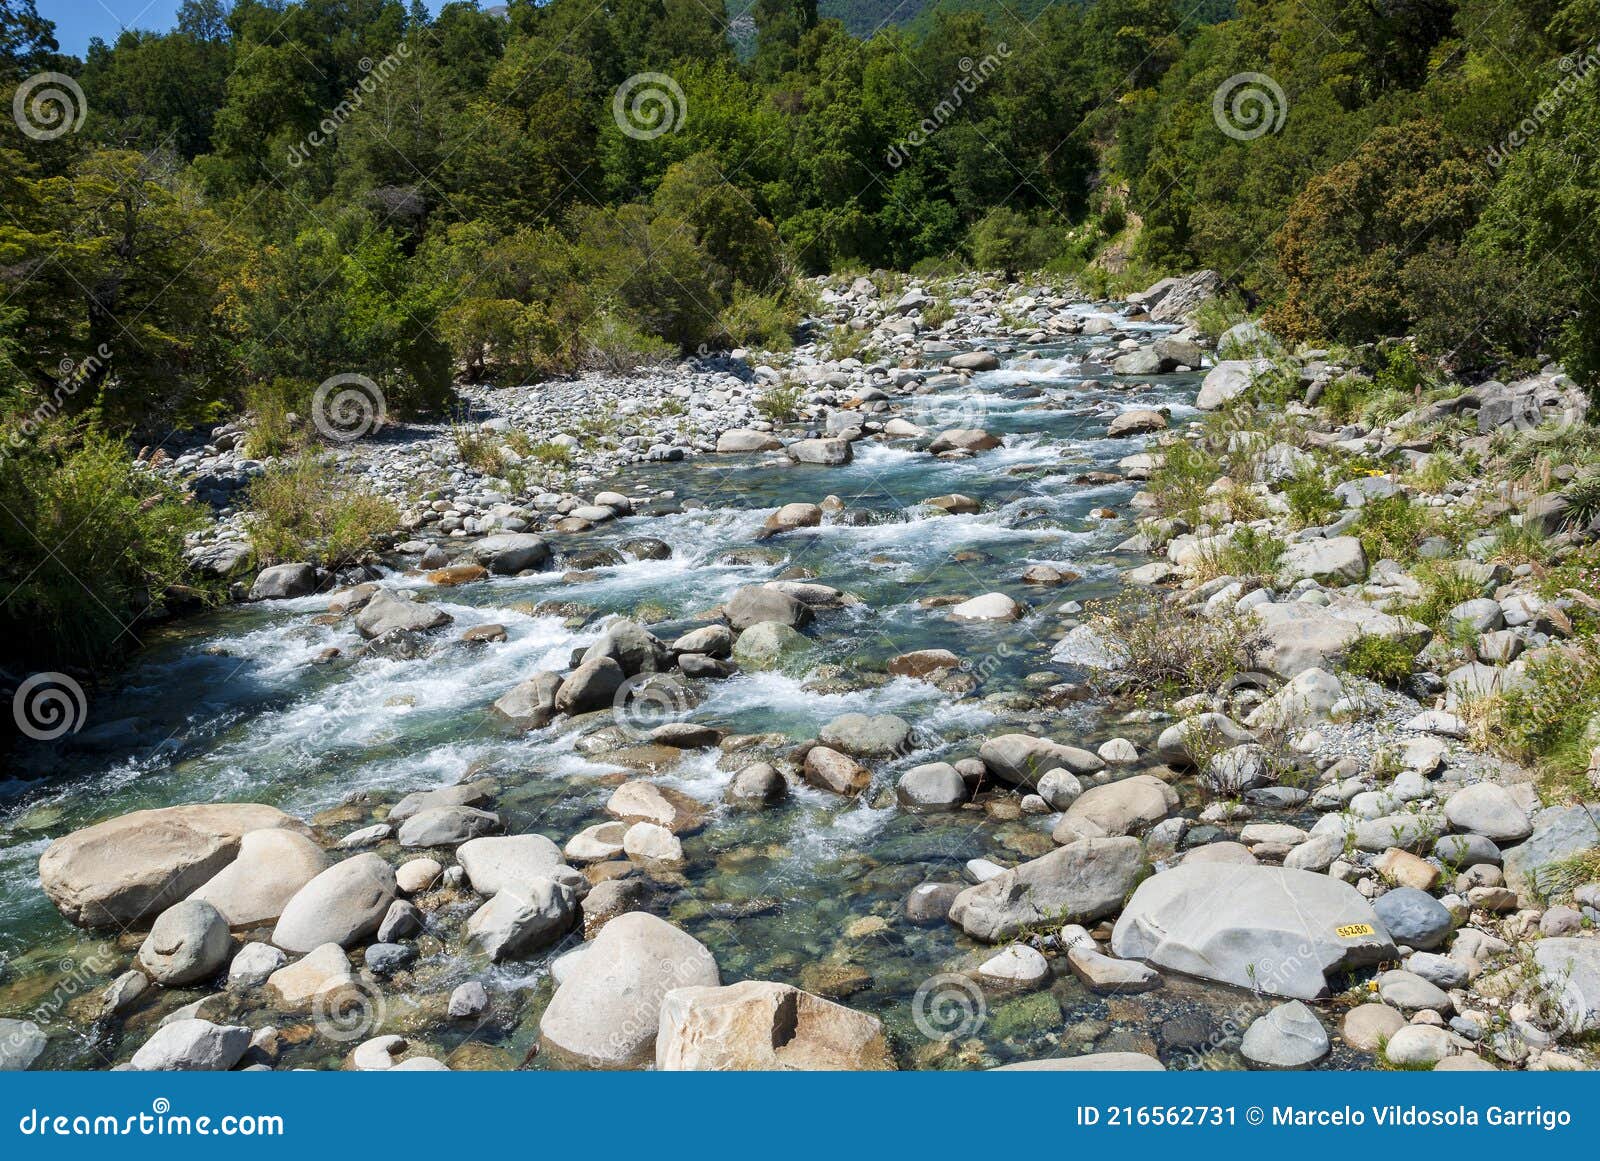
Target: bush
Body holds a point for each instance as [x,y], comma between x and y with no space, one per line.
[765,321]
[1013,242]
[1549,718]
[1179,484]
[305,509]
[271,404]
[1386,660]
[1171,654]
[91,540]
[780,403]
[610,343]
[1311,501]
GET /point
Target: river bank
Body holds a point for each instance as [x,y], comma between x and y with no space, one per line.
[880,701]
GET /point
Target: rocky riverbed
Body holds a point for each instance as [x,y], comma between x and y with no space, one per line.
[817,710]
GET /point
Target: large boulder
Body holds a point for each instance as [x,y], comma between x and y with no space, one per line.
[738,439]
[633,647]
[124,871]
[1131,805]
[1081,882]
[754,604]
[1275,930]
[1288,1036]
[524,919]
[188,943]
[504,862]
[1180,300]
[607,1011]
[271,866]
[761,1026]
[592,685]
[283,581]
[509,553]
[826,452]
[827,769]
[1569,968]
[867,735]
[931,786]
[22,1042]
[1337,560]
[1301,636]
[530,704]
[772,645]
[1559,832]
[193,1046]
[1488,809]
[1228,380]
[343,905]
[447,826]
[1022,759]
[974,361]
[388,613]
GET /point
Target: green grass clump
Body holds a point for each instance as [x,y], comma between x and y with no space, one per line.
[1385,660]
[305,509]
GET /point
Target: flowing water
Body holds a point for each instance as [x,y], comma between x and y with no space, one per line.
[229,706]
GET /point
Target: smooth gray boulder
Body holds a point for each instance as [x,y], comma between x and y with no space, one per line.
[271,866]
[1081,882]
[592,685]
[633,647]
[343,905]
[1022,759]
[1569,969]
[21,1045]
[607,1011]
[931,786]
[1130,805]
[284,581]
[193,1046]
[500,862]
[388,613]
[824,452]
[754,604]
[447,826]
[1276,930]
[866,735]
[508,553]
[1289,1036]
[530,704]
[1488,809]
[188,942]
[1559,832]
[524,919]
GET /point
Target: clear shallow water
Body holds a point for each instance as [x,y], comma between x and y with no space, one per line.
[229,707]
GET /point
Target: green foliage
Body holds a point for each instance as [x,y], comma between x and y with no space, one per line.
[1179,484]
[91,542]
[1311,499]
[305,509]
[1549,718]
[1385,660]
[780,403]
[1013,242]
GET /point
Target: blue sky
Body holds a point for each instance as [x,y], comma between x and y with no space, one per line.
[78,20]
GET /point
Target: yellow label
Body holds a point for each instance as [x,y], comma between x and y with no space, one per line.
[1352,930]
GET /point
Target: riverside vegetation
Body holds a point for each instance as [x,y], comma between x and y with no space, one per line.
[1067,669]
